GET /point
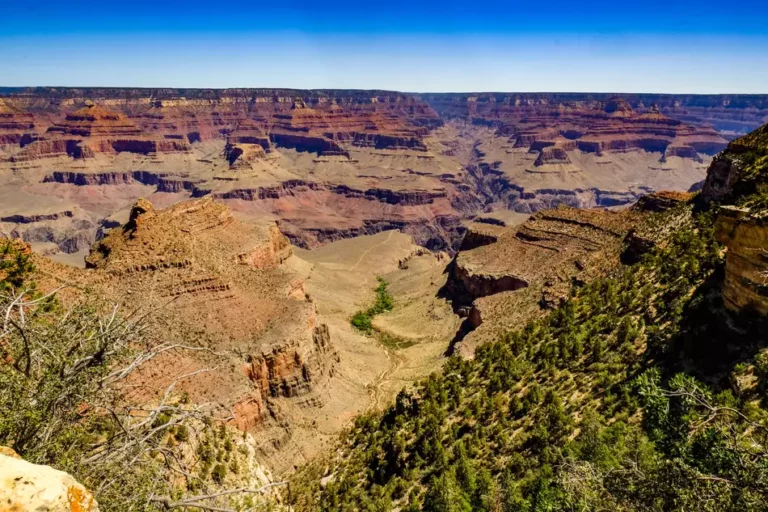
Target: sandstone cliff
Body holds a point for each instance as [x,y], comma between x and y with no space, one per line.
[505,275]
[737,181]
[517,273]
[334,164]
[227,299]
[745,235]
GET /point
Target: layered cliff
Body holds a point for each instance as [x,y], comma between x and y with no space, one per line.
[16,126]
[737,181]
[93,129]
[731,115]
[214,271]
[333,164]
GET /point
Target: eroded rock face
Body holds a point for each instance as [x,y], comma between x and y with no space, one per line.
[93,129]
[590,124]
[746,261]
[16,126]
[731,115]
[26,486]
[333,164]
[211,281]
[531,267]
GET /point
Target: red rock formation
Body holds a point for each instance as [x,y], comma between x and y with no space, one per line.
[594,126]
[213,277]
[248,142]
[16,126]
[330,164]
[514,273]
[94,129]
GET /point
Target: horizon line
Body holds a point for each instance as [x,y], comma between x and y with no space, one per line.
[372,90]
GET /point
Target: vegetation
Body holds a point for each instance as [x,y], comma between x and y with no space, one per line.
[363,320]
[750,154]
[61,371]
[602,405]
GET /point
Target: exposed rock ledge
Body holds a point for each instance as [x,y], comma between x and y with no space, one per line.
[27,486]
[531,268]
[746,262]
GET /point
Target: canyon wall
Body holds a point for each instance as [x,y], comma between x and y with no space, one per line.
[736,187]
[331,164]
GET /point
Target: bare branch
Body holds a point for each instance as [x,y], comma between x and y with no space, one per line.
[194,501]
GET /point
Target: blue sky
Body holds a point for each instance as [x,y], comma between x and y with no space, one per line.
[654,46]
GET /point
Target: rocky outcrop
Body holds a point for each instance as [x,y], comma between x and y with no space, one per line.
[308,143]
[661,201]
[291,371]
[384,141]
[27,486]
[740,171]
[94,129]
[16,126]
[479,234]
[214,277]
[552,155]
[737,181]
[531,268]
[745,235]
[246,144]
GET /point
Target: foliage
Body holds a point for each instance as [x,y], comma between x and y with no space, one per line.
[547,417]
[363,320]
[61,369]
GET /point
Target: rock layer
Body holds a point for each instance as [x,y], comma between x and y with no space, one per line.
[746,261]
[531,267]
[218,283]
[332,164]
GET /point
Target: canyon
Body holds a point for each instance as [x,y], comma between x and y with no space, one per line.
[332,164]
[248,228]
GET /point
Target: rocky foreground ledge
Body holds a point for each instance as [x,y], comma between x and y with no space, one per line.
[27,486]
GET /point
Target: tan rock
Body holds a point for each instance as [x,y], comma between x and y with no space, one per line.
[30,487]
[746,262]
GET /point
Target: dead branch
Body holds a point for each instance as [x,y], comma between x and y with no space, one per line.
[194,501]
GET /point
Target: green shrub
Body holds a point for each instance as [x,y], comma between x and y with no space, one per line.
[219,473]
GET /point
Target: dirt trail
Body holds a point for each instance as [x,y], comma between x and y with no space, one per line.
[365,253]
[396,362]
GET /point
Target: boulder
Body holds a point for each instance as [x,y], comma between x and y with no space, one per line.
[27,486]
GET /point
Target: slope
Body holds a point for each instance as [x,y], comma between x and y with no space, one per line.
[643,391]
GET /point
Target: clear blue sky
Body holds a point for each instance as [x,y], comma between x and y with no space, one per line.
[670,46]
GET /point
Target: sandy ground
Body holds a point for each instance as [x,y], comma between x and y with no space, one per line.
[340,278]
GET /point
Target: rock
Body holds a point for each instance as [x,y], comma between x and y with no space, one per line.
[661,201]
[552,155]
[333,164]
[746,262]
[15,125]
[91,130]
[207,275]
[26,486]
[141,207]
[531,267]
[740,170]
